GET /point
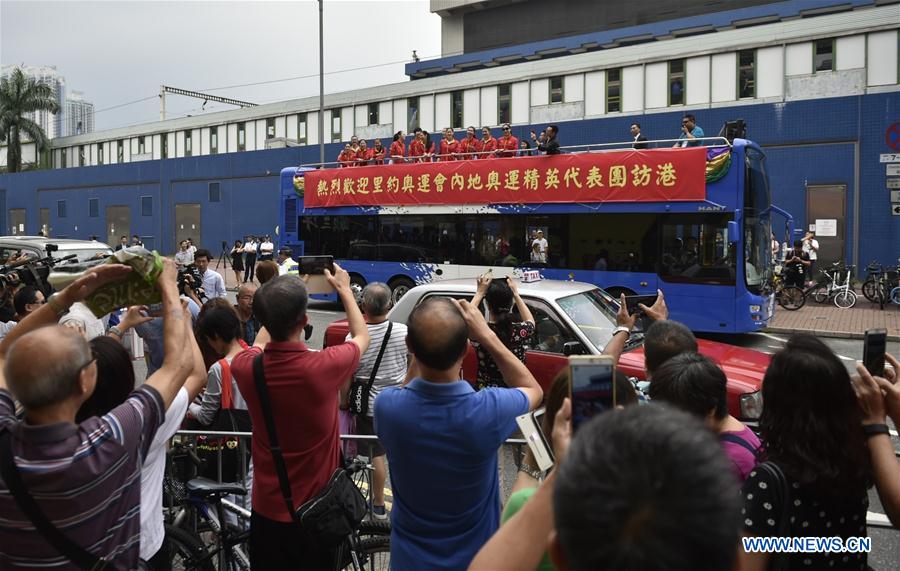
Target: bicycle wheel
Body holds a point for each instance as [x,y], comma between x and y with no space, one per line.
[188,552]
[870,290]
[792,298]
[821,294]
[895,295]
[845,299]
[373,554]
[375,527]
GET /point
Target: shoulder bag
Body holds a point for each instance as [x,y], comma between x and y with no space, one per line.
[78,555]
[358,399]
[333,513]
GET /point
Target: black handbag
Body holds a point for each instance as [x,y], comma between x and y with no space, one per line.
[360,391]
[337,510]
[78,555]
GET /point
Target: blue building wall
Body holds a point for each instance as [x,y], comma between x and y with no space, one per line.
[807,143]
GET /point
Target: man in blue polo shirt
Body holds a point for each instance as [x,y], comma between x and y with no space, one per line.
[691,133]
[442,437]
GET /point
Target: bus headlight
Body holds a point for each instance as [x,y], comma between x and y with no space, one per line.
[751,405]
[755,308]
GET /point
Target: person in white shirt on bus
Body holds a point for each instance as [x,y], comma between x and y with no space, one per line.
[541,243]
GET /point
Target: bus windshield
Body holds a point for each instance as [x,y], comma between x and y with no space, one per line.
[757,224]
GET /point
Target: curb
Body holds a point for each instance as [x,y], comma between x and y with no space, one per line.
[834,334]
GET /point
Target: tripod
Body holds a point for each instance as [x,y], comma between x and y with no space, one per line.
[224,257]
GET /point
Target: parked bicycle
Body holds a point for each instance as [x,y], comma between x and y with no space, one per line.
[834,285]
[209,532]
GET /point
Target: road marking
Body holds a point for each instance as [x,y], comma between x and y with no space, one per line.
[845,358]
[773,337]
[324,311]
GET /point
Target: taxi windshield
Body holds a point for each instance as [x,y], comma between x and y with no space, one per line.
[593,313]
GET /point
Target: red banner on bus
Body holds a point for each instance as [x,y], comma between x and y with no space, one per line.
[657,175]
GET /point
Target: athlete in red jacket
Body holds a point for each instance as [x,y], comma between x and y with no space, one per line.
[449,146]
[488,144]
[507,145]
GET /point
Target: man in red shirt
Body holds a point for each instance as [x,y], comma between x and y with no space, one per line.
[470,146]
[507,145]
[303,386]
[347,158]
[449,146]
[379,152]
[417,147]
[488,144]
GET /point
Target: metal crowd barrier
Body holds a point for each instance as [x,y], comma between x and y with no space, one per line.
[509,455]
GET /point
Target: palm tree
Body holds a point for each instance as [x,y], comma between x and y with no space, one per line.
[20,94]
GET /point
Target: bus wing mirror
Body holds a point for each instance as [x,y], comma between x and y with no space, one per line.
[733,232]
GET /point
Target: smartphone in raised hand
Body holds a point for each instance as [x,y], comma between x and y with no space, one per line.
[874,347]
[592,387]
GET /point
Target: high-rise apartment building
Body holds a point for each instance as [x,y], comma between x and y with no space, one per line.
[54,124]
[79,114]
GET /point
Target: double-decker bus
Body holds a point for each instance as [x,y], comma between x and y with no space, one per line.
[694,222]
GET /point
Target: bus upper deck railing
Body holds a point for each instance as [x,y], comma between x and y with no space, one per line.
[519,153]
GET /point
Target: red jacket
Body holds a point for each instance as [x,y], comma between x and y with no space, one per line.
[416,150]
[378,155]
[449,149]
[347,158]
[468,145]
[398,149]
[508,146]
[488,147]
[364,157]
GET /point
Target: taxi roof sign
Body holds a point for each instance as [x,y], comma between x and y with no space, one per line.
[529,276]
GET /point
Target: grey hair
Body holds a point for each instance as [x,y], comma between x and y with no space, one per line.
[53,380]
[376,299]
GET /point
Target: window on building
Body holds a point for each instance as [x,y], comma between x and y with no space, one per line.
[100,153]
[141,145]
[62,158]
[746,74]
[94,207]
[120,151]
[613,90]
[214,140]
[504,103]
[242,137]
[146,206]
[412,114]
[270,128]
[456,109]
[164,145]
[188,145]
[373,113]
[335,125]
[61,209]
[556,89]
[676,82]
[81,157]
[823,58]
[215,192]
[301,128]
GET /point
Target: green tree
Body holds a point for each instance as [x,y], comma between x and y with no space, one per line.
[19,95]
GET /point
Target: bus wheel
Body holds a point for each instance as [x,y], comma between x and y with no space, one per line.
[357,283]
[618,291]
[399,287]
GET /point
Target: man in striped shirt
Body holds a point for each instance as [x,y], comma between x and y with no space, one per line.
[85,478]
[376,302]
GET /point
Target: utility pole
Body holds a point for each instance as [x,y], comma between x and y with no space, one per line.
[321,87]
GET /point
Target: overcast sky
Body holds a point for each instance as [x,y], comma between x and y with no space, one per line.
[121,51]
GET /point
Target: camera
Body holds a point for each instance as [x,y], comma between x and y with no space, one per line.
[190,280]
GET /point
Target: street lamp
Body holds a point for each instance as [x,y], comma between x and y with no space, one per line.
[321,88]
